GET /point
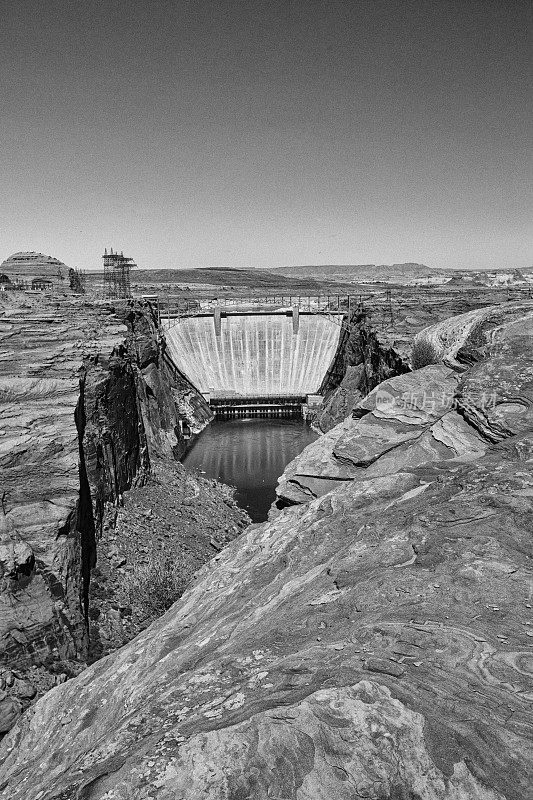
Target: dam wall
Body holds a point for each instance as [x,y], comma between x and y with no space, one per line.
[254,354]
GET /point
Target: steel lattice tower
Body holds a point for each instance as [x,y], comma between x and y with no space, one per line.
[117,284]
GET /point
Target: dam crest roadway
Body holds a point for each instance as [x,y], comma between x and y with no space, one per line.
[256,352]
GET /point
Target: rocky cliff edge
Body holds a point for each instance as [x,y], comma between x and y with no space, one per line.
[91,409]
[452,410]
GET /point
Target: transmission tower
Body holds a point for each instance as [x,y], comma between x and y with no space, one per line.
[117,285]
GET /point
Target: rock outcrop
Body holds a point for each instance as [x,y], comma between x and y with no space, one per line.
[374,642]
[27,266]
[406,421]
[429,415]
[90,407]
[377,343]
[362,361]
[47,518]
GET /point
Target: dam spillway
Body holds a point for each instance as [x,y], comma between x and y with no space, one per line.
[253,355]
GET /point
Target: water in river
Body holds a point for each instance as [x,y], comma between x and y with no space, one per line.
[249,454]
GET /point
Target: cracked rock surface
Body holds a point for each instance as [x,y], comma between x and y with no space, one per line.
[435,413]
[90,411]
[375,641]
[42,346]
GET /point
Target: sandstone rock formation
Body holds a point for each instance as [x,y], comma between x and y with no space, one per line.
[27,266]
[362,361]
[46,517]
[423,416]
[406,421]
[377,342]
[373,642]
[90,406]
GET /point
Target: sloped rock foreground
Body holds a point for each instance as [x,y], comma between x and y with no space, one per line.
[375,642]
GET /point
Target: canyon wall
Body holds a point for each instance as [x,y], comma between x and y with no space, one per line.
[372,641]
[89,402]
[44,527]
[254,354]
[413,418]
[363,359]
[376,344]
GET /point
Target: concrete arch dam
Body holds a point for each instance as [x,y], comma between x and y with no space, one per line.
[250,355]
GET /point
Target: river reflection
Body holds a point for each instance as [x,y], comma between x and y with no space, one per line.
[249,454]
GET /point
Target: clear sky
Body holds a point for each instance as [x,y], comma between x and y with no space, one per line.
[267,132]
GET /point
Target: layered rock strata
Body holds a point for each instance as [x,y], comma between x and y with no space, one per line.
[377,340]
[90,404]
[362,361]
[47,519]
[29,265]
[374,642]
[432,414]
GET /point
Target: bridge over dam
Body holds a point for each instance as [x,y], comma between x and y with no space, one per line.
[255,356]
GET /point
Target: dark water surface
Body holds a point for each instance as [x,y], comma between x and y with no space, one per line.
[249,454]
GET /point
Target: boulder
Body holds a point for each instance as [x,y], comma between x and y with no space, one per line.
[10,711]
[24,690]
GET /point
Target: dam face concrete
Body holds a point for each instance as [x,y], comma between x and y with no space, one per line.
[254,354]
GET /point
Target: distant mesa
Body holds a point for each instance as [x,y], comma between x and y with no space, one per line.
[409,274]
[35,269]
[360,272]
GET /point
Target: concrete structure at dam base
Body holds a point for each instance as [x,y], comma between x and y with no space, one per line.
[275,406]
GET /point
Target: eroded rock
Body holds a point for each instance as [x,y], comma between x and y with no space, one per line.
[375,641]
[88,400]
[435,413]
[10,711]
